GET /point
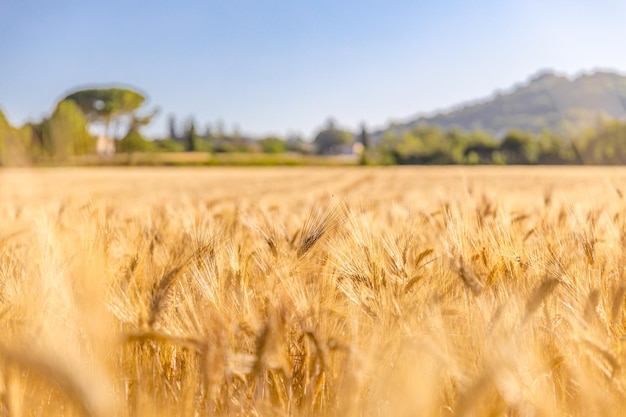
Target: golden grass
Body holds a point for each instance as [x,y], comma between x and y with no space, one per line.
[312,292]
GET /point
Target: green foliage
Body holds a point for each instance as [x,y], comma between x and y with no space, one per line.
[273,145]
[18,145]
[606,144]
[9,141]
[135,142]
[32,142]
[332,140]
[364,137]
[65,133]
[190,138]
[6,131]
[432,145]
[104,104]
[173,132]
[480,148]
[109,105]
[425,145]
[168,145]
[203,144]
[367,157]
[555,150]
[519,148]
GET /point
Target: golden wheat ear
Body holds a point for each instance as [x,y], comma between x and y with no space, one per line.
[317,224]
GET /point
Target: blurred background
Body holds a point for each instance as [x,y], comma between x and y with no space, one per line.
[324,82]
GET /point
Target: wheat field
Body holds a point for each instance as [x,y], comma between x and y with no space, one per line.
[487,291]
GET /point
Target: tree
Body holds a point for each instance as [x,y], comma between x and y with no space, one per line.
[519,148]
[109,107]
[190,138]
[135,142]
[478,147]
[364,137]
[606,144]
[13,143]
[171,122]
[168,145]
[65,133]
[331,140]
[420,145]
[273,145]
[554,149]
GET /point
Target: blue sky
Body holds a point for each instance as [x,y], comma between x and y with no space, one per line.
[280,66]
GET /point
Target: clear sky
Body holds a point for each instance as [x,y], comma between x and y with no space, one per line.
[279,66]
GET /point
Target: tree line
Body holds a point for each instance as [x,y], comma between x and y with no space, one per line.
[117,116]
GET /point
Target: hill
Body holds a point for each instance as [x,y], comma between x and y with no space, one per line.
[547,101]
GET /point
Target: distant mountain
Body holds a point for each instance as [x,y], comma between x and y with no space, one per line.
[547,101]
